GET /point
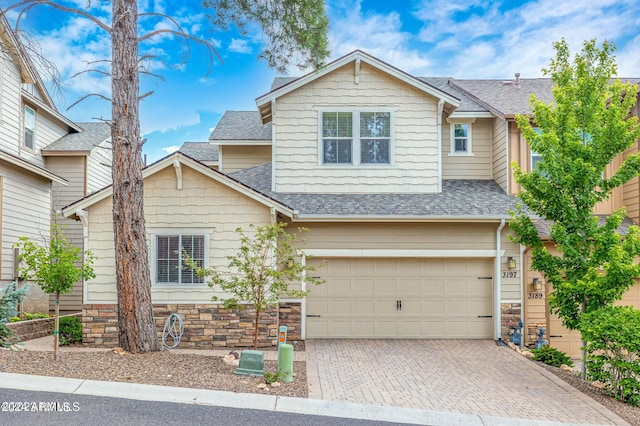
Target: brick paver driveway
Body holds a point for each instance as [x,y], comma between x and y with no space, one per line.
[465,376]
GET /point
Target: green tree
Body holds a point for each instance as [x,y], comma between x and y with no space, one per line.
[295,33]
[54,268]
[583,130]
[261,271]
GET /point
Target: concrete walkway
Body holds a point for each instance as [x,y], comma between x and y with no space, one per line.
[463,376]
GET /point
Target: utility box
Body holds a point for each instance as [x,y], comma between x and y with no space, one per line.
[251,364]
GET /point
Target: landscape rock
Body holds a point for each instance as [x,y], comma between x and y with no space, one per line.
[275,385]
[231,360]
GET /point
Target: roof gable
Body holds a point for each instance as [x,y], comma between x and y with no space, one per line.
[356,57]
[177,160]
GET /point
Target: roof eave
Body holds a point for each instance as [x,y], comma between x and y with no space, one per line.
[63,153]
[34,100]
[401,218]
[16,161]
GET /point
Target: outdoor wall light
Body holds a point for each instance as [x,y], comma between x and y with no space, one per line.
[537,284]
[511,262]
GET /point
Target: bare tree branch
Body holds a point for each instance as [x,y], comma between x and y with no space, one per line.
[141,97]
[88,96]
[105,73]
[25,5]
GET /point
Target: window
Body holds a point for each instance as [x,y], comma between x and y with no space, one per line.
[461,139]
[29,128]
[535,157]
[169,266]
[356,137]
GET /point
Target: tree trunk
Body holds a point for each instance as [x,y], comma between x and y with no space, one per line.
[255,330]
[137,331]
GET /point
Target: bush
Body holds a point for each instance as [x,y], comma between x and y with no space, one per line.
[70,330]
[551,356]
[9,301]
[613,350]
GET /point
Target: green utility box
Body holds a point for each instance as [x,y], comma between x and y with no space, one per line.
[251,364]
[285,362]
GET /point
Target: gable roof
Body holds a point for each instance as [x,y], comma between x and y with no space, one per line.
[32,168]
[201,151]
[240,126]
[177,159]
[459,200]
[81,143]
[357,56]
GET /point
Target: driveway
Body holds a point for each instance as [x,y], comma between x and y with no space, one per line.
[464,376]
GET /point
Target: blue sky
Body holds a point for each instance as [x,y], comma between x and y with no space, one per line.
[457,38]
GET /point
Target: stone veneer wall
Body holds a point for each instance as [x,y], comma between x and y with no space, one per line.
[206,326]
[511,314]
[36,328]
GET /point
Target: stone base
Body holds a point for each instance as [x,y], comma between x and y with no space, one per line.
[206,326]
[34,329]
[511,314]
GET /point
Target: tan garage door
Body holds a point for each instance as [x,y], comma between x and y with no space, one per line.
[402,298]
[569,341]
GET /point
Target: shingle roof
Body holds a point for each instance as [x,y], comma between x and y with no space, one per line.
[93,134]
[544,226]
[241,125]
[201,151]
[481,198]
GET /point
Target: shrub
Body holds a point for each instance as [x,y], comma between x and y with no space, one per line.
[271,377]
[551,356]
[613,350]
[70,329]
[9,301]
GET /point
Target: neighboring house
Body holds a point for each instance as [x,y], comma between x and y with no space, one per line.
[204,152]
[30,182]
[404,183]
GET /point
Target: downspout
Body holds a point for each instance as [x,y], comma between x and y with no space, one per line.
[497,313]
[522,291]
[273,145]
[439,132]
[83,215]
[507,166]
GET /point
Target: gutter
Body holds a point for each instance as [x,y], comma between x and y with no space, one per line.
[401,218]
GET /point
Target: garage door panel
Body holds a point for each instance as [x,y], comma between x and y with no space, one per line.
[440,298]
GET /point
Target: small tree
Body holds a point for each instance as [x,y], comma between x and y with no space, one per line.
[54,268]
[11,297]
[261,272]
[586,127]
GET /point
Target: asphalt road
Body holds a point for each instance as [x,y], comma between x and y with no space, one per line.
[47,408]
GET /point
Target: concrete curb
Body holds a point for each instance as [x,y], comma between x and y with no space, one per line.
[315,407]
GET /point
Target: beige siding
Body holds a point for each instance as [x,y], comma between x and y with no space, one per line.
[476,166]
[201,206]
[631,190]
[500,164]
[518,152]
[72,169]
[510,287]
[415,167]
[99,167]
[241,157]
[11,107]
[26,211]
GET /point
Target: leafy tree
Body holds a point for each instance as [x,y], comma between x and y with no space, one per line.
[261,272]
[289,26]
[9,301]
[586,127]
[53,268]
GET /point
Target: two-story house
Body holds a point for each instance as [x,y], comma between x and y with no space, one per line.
[38,174]
[403,182]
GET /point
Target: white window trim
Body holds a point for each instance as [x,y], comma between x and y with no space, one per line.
[355,144]
[452,141]
[153,243]
[24,127]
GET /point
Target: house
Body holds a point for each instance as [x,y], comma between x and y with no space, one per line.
[38,174]
[403,182]
[204,152]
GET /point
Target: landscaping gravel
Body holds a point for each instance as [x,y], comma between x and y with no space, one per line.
[163,368]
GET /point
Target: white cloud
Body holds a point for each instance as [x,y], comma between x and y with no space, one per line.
[239,46]
[170,149]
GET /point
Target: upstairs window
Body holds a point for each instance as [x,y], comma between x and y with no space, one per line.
[29,128]
[460,139]
[356,137]
[169,258]
[535,157]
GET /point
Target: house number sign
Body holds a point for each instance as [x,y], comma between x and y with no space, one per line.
[509,274]
[535,295]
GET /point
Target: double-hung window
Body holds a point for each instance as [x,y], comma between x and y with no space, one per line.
[169,261]
[29,128]
[356,137]
[535,157]
[460,139]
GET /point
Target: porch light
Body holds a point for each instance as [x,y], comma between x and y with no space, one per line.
[537,284]
[511,262]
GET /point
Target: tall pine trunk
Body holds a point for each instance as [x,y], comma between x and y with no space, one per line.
[137,331]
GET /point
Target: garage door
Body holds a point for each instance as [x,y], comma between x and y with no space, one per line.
[402,298]
[569,341]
